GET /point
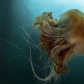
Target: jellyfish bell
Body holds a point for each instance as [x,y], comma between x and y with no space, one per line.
[62,39]
[74,31]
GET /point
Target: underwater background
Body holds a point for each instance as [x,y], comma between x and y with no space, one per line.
[17,15]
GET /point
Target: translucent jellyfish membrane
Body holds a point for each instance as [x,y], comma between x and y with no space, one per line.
[62,39]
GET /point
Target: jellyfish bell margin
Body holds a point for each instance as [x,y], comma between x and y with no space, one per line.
[61,39]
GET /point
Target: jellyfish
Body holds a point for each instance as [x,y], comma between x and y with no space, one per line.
[62,39]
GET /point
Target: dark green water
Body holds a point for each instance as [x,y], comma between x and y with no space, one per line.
[18,70]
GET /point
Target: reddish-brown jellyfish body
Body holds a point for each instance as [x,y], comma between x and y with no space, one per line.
[62,39]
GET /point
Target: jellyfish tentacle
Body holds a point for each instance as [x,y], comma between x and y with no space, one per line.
[62,38]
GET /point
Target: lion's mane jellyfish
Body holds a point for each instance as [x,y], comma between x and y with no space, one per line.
[62,39]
